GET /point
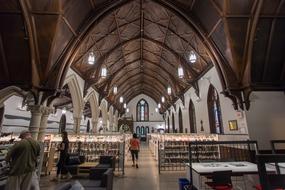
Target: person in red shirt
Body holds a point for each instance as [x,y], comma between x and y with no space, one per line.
[135,148]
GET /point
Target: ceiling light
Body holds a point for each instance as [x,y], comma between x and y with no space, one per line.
[115,89]
[192,57]
[156,109]
[169,90]
[104,72]
[180,72]
[127,110]
[159,105]
[91,58]
[125,105]
[162,99]
[63,111]
[121,99]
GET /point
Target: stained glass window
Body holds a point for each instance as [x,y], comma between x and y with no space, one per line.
[142,110]
[214,109]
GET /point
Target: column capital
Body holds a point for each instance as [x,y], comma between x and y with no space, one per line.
[46,110]
[35,108]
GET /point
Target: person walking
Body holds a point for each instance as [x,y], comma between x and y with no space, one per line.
[23,161]
[63,156]
[135,148]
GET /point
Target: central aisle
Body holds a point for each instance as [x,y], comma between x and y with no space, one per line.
[146,177]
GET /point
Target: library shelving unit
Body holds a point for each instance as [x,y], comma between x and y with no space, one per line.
[90,146]
[172,150]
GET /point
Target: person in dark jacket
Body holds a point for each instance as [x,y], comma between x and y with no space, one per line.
[63,157]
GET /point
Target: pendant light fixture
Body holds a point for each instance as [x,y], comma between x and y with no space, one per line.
[125,105]
[104,72]
[115,89]
[121,99]
[192,57]
[159,105]
[180,72]
[91,58]
[162,99]
[156,109]
[169,90]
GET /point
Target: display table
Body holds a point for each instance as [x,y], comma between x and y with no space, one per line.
[206,169]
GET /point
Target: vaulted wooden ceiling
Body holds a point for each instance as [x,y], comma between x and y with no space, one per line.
[142,42]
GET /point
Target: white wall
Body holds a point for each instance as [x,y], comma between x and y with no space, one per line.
[155,118]
[132,105]
[266,117]
[201,107]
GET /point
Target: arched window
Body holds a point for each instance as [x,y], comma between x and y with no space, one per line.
[180,121]
[62,123]
[2,110]
[192,118]
[214,109]
[88,127]
[142,110]
[142,130]
[138,130]
[168,124]
[147,129]
[173,124]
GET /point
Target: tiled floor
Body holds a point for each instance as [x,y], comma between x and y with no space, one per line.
[146,177]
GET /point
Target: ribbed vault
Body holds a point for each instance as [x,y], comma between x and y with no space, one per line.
[141,44]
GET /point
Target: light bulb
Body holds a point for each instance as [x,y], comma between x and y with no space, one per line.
[159,105]
[192,57]
[121,99]
[104,72]
[162,99]
[180,72]
[115,89]
[63,111]
[169,90]
[91,58]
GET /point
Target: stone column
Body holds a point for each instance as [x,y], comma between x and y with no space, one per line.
[76,124]
[45,113]
[94,126]
[35,120]
[104,126]
[111,122]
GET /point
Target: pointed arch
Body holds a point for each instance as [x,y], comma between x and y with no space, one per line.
[93,100]
[214,111]
[142,110]
[192,117]
[180,119]
[6,93]
[76,95]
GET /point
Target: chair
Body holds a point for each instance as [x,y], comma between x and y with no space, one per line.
[270,180]
[221,180]
[106,162]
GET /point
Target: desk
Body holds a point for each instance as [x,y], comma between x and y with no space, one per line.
[204,169]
